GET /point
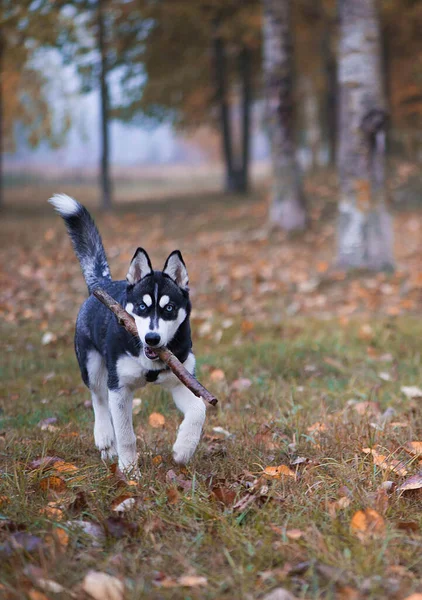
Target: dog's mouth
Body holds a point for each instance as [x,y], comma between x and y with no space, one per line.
[149,353]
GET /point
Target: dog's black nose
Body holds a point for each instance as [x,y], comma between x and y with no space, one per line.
[152,339]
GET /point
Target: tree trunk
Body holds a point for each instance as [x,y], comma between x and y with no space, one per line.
[287,209]
[105,182]
[245,76]
[365,237]
[1,119]
[224,110]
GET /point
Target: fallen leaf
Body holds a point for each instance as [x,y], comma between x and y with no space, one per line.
[279,594]
[217,375]
[156,420]
[36,595]
[48,424]
[366,524]
[64,467]
[52,512]
[93,530]
[157,460]
[410,526]
[53,483]
[412,483]
[294,534]
[4,500]
[414,448]
[123,503]
[173,496]
[411,391]
[278,472]
[192,581]
[223,495]
[44,462]
[386,462]
[102,586]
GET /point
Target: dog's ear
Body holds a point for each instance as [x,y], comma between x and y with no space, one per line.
[139,267]
[176,269]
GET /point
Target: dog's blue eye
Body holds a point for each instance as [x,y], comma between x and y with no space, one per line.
[169,307]
[142,306]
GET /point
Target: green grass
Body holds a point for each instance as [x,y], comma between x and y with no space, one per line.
[302,373]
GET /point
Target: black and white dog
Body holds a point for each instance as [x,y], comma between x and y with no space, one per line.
[112,363]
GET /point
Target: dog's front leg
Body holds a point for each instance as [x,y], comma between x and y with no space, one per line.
[120,403]
[190,429]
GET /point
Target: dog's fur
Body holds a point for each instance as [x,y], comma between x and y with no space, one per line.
[113,363]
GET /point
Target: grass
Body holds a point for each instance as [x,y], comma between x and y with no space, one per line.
[297,380]
[219,518]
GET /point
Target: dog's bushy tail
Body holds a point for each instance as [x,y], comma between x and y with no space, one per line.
[85,238]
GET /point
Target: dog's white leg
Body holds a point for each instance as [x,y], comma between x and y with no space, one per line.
[120,402]
[103,428]
[191,427]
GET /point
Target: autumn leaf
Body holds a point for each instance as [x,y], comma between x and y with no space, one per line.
[173,496]
[294,534]
[386,462]
[192,581]
[44,462]
[279,472]
[123,503]
[414,448]
[223,495]
[366,524]
[412,483]
[217,376]
[156,420]
[52,512]
[102,586]
[64,467]
[53,483]
[157,460]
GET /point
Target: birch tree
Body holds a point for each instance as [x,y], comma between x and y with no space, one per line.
[287,209]
[364,227]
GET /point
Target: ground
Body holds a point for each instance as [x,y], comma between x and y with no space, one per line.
[296,483]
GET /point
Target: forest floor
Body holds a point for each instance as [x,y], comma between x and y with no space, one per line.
[308,476]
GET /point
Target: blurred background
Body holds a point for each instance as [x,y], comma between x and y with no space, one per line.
[256,118]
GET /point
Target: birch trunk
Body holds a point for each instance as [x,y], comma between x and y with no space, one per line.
[364,227]
[287,209]
[105,182]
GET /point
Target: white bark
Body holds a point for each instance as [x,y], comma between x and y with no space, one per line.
[287,203]
[364,230]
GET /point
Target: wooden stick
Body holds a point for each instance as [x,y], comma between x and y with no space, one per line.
[128,322]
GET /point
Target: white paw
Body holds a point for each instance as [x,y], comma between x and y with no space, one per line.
[131,470]
[105,441]
[183,450]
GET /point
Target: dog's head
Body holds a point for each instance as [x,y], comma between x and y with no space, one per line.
[158,300]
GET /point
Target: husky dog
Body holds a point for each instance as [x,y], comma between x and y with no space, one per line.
[113,363]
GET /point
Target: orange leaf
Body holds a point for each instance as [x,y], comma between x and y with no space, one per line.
[414,448]
[53,483]
[367,523]
[173,495]
[278,472]
[156,420]
[157,460]
[217,375]
[52,512]
[64,467]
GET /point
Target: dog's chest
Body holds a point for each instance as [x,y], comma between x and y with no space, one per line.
[134,371]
